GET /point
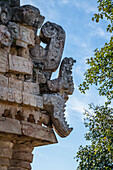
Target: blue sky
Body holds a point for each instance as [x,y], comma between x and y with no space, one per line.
[83,36]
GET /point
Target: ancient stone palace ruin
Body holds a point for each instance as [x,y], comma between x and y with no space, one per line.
[31,103]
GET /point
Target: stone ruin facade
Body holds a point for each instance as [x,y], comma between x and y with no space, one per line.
[31,104]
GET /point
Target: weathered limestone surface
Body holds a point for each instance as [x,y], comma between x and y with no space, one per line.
[5,154]
[31,103]
[3,61]
[54,36]
[55,105]
[21,34]
[5,36]
[20,65]
[12,126]
[21,157]
[63,84]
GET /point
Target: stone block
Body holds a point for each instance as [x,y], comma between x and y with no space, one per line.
[18,96]
[6,149]
[11,95]
[23,52]
[3,61]
[15,84]
[10,126]
[4,162]
[22,155]
[27,35]
[5,37]
[39,102]
[31,88]
[23,164]
[23,148]
[22,34]
[32,100]
[17,168]
[38,132]
[3,81]
[20,65]
[45,119]
[29,99]
[26,100]
[3,168]
[3,93]
[21,44]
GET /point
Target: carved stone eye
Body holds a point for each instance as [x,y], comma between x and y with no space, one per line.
[15,30]
[49,30]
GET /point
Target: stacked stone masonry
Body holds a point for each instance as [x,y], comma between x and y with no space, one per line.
[31,104]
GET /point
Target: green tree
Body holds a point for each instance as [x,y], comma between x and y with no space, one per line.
[97,156]
[99,121]
[100,72]
[105,9]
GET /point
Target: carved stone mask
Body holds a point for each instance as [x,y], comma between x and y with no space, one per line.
[5,13]
[28,15]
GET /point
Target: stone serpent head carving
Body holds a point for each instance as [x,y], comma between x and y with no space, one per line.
[54,36]
[5,13]
[26,68]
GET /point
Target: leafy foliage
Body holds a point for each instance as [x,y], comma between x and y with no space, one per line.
[100,72]
[99,154]
[105,8]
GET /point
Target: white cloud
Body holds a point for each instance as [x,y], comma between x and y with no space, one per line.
[63,2]
[78,41]
[98,31]
[87,6]
[101,33]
